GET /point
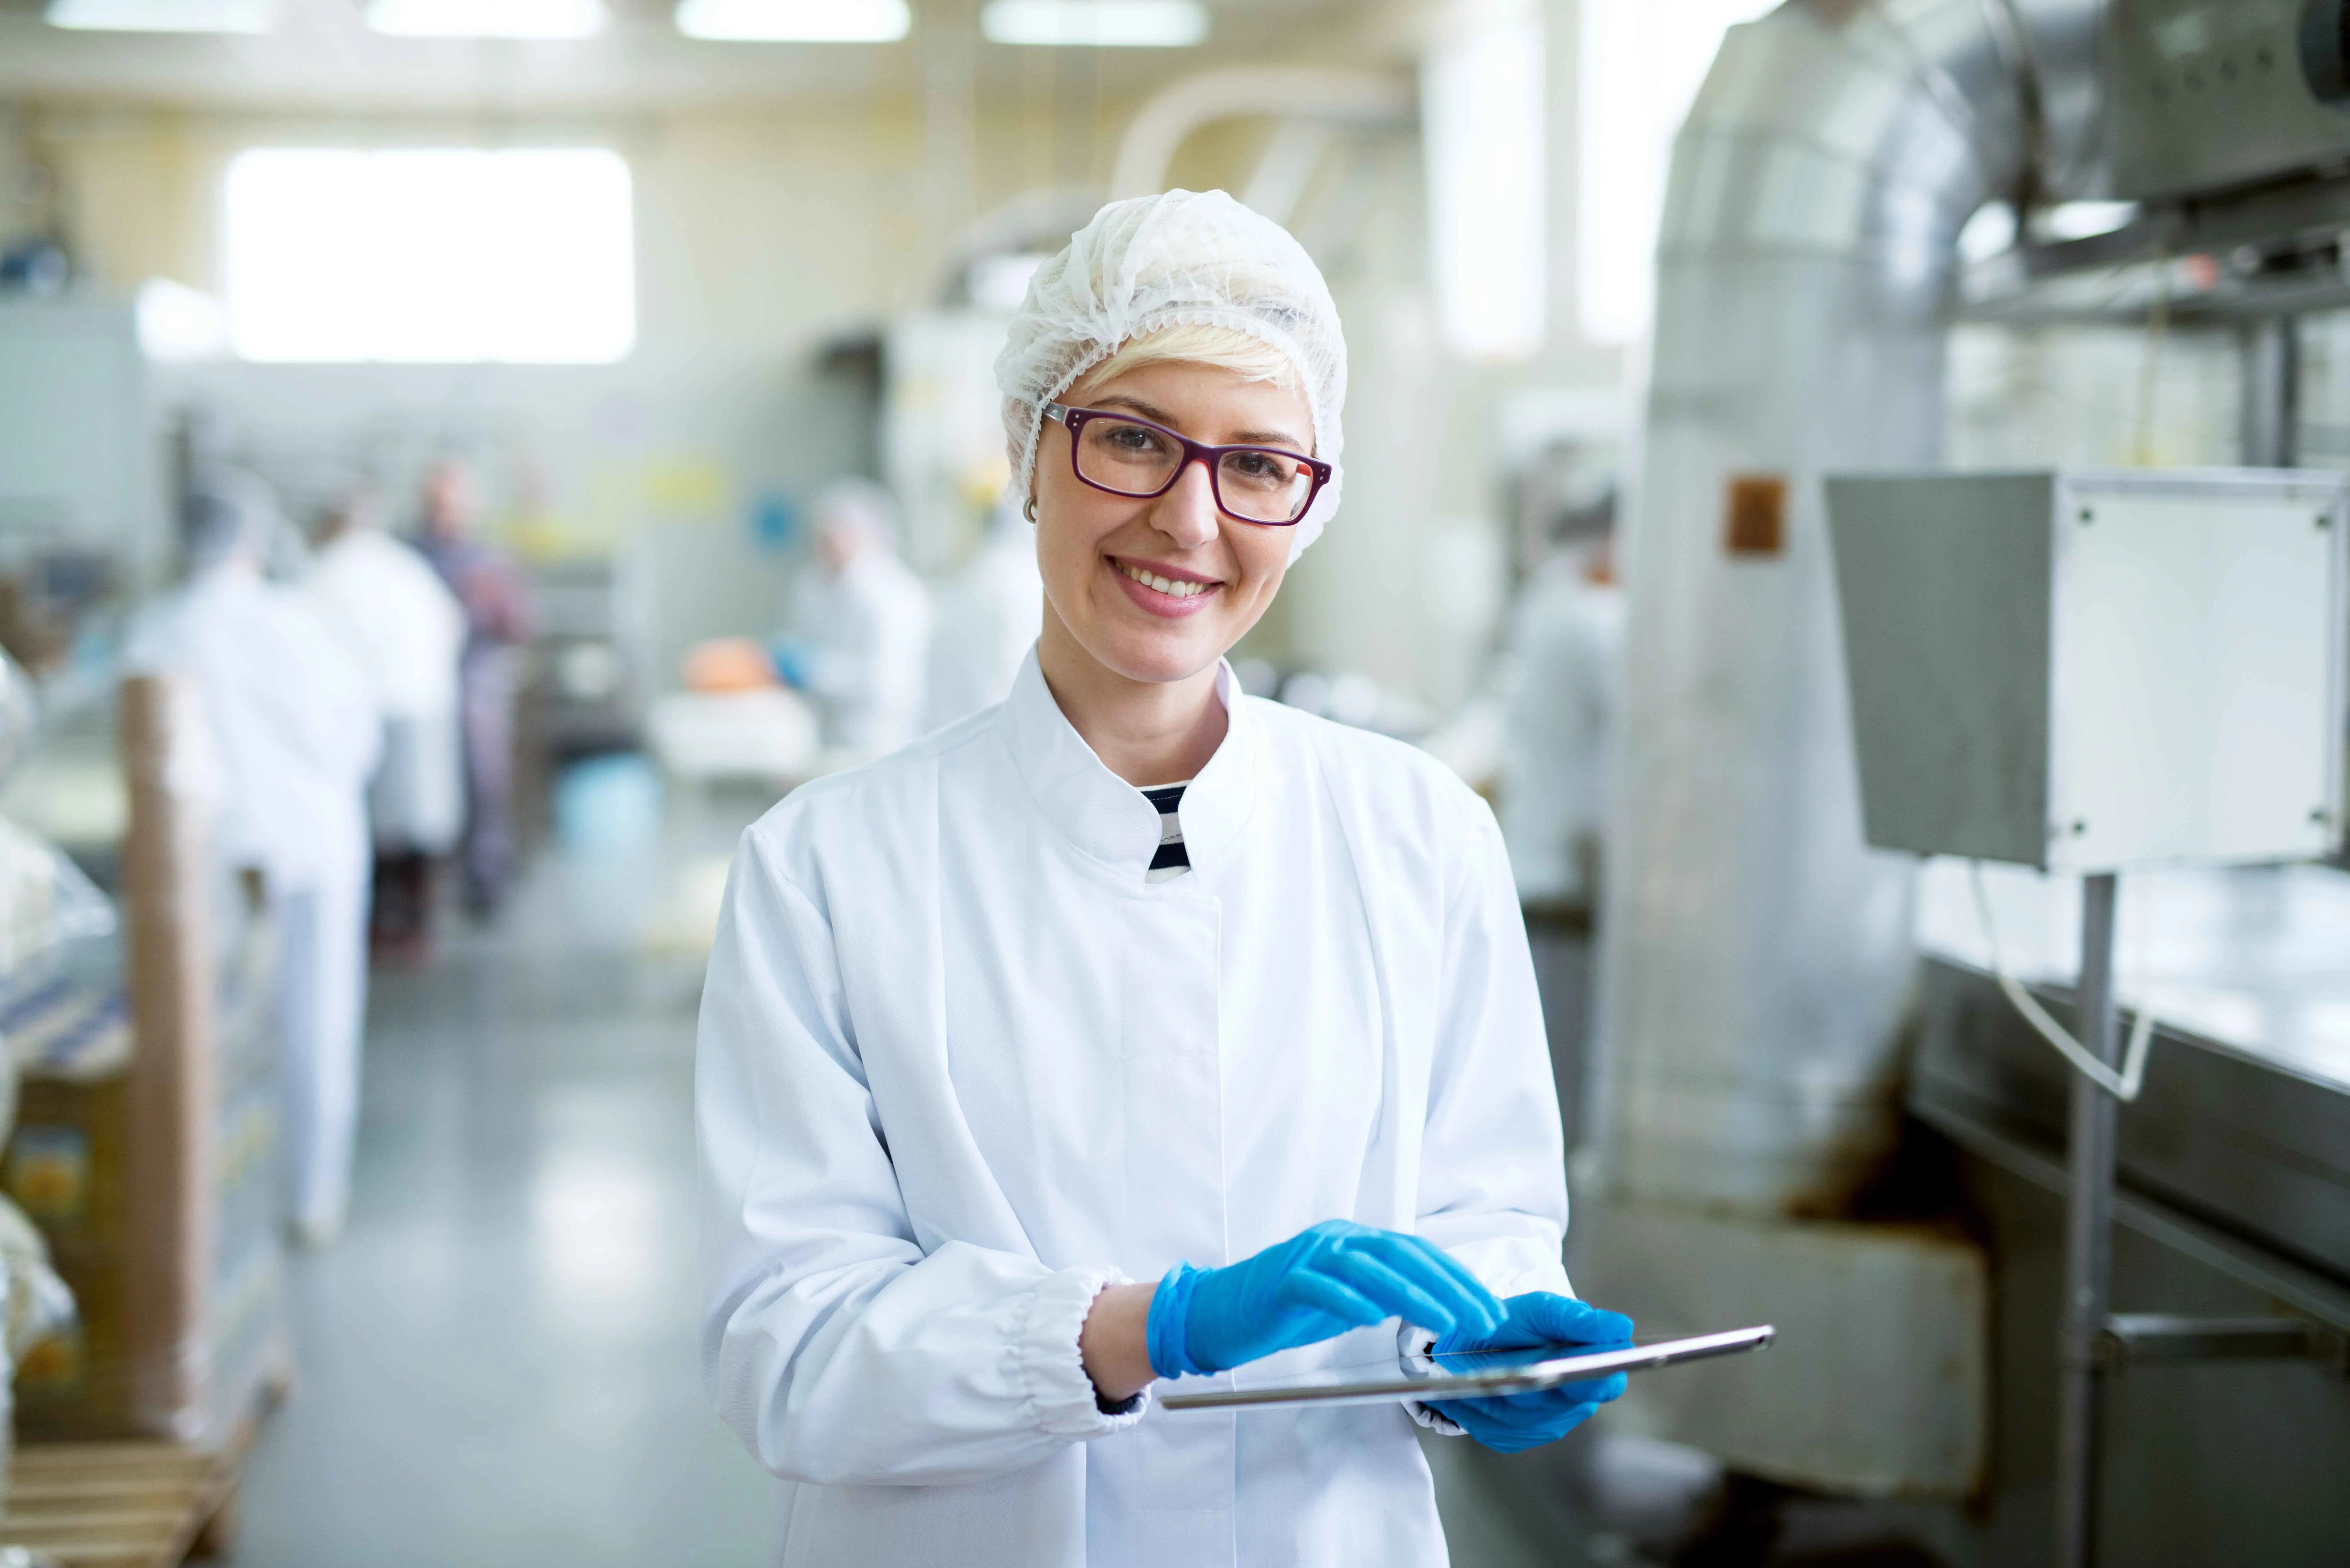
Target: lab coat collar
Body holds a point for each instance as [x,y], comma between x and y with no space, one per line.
[1108,818]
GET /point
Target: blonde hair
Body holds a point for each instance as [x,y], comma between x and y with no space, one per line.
[1197,343]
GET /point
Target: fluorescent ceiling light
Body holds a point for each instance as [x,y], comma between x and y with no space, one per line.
[1098,24]
[487,19]
[795,21]
[165,15]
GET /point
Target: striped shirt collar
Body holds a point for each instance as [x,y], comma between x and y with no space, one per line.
[1172,860]
[1108,818]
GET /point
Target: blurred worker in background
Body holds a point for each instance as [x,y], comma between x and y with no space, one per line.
[298,734]
[1567,646]
[860,625]
[1568,636]
[406,632]
[498,617]
[988,619]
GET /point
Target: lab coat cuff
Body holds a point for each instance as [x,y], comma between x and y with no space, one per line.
[1413,1340]
[1433,1419]
[1061,1398]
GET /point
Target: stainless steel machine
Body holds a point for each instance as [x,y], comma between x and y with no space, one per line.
[1769,1037]
[2089,673]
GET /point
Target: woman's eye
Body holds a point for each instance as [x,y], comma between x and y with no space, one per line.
[1261,466]
[1133,441]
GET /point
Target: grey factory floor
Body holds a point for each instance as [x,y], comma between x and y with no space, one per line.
[497,1361]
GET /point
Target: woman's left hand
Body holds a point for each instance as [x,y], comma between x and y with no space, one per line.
[1511,1422]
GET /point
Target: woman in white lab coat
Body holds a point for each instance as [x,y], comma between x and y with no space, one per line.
[990,1035]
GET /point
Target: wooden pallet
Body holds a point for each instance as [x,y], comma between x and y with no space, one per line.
[121,1504]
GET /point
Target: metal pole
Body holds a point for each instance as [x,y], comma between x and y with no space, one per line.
[2270,434]
[2088,1239]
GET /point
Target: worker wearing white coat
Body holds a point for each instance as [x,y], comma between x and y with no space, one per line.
[1568,636]
[405,630]
[862,626]
[1020,1088]
[297,734]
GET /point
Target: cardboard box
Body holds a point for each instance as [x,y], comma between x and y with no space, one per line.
[145,1145]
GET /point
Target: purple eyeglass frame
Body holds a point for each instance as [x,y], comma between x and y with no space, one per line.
[1073,421]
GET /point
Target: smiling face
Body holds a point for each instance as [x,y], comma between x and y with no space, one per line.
[1157,590]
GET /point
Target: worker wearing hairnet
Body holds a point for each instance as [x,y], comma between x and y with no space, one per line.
[1131,1029]
[860,625]
[405,630]
[1567,635]
[298,734]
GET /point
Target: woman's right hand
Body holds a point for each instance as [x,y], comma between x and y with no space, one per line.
[1322,1282]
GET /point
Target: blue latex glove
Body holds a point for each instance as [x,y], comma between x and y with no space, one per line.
[794,661]
[1513,1422]
[1318,1284]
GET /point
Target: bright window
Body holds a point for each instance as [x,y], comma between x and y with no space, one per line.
[1481,126]
[440,256]
[1643,62]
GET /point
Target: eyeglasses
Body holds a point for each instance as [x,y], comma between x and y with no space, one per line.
[1131,456]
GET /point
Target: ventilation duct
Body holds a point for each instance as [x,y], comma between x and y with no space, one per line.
[1757,957]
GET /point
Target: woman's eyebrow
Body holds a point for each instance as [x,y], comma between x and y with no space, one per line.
[1151,411]
[1157,415]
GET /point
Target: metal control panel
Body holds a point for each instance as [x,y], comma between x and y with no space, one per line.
[2209,94]
[2087,671]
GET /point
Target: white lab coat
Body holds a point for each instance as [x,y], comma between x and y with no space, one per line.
[988,618]
[1568,636]
[405,630]
[961,1067]
[869,625]
[297,737]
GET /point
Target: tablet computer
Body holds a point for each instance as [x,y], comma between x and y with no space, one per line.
[1471,1374]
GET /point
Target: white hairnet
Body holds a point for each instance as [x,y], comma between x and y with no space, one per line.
[861,504]
[1154,262]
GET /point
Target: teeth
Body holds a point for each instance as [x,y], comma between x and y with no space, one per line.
[1166,586]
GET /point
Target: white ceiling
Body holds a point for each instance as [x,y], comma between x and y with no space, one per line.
[324,57]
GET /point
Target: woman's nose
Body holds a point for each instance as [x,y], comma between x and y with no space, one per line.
[1187,514]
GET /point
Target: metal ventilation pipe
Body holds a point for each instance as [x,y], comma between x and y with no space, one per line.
[1757,958]
[1301,93]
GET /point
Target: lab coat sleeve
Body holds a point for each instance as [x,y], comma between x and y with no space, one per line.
[351,719]
[1493,1178]
[839,1351]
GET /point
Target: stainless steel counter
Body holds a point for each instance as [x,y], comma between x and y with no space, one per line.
[2244,1129]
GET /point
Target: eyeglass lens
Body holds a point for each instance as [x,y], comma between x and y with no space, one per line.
[1260,484]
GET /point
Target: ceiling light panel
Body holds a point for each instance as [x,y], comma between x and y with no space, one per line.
[165,15]
[487,19]
[1096,24]
[795,21]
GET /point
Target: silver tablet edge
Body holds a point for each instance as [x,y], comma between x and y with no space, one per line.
[1518,1380]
